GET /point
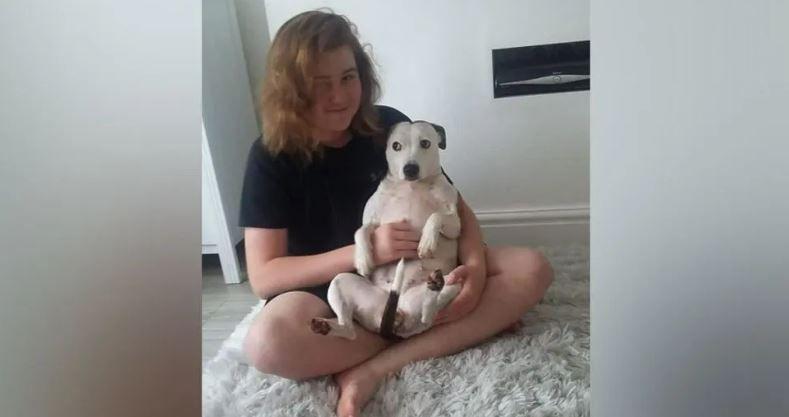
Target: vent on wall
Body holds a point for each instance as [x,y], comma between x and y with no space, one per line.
[541,69]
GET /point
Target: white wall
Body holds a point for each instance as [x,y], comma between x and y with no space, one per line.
[690,142]
[519,161]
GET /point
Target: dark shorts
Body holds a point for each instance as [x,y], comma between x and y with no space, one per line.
[319,291]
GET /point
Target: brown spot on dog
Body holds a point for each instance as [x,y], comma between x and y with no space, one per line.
[320,326]
[435,282]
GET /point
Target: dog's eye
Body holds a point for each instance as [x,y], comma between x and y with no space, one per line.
[424,143]
[397,146]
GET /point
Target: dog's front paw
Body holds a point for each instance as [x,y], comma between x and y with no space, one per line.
[427,245]
[320,326]
[364,269]
[363,261]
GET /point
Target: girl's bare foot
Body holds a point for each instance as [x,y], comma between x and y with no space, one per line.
[514,327]
[357,386]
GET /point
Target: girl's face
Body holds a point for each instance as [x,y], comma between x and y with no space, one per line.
[336,95]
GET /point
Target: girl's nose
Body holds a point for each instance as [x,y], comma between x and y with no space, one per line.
[338,93]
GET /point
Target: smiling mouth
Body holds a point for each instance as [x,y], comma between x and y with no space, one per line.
[337,110]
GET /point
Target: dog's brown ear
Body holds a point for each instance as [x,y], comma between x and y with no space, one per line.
[441,133]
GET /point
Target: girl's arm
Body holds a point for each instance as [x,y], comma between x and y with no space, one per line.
[470,250]
[271,272]
[473,267]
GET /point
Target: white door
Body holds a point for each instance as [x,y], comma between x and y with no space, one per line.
[229,126]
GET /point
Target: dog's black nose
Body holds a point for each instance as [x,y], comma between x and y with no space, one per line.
[411,171]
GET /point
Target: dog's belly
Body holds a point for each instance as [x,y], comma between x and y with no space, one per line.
[417,271]
[412,201]
[383,276]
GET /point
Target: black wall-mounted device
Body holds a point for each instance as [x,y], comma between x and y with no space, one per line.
[541,69]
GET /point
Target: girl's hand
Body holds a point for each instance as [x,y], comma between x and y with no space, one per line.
[392,241]
[465,302]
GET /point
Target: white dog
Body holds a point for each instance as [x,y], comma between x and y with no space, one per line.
[416,190]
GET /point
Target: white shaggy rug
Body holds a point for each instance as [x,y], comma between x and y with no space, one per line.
[542,370]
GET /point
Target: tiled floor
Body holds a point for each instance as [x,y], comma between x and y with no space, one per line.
[224,305]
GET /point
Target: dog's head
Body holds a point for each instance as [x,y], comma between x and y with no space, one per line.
[412,150]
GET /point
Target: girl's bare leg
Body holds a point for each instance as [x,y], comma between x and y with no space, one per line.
[518,278]
[281,342]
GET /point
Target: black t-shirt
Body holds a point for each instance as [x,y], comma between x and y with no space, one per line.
[321,204]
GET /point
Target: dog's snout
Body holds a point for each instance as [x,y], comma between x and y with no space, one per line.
[411,171]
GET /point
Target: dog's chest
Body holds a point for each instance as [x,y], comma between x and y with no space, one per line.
[409,200]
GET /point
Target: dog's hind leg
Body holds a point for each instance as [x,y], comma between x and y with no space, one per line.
[435,283]
[332,327]
[438,296]
[341,302]
[447,294]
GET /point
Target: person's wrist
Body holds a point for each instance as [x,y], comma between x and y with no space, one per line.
[350,258]
[474,265]
[476,277]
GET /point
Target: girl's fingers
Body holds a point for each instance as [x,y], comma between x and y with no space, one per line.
[456,276]
[403,225]
[409,235]
[408,254]
[406,245]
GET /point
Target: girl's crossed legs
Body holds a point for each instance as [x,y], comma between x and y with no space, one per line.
[280,341]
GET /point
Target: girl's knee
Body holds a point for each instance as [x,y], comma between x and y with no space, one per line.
[540,268]
[275,346]
[533,270]
[263,347]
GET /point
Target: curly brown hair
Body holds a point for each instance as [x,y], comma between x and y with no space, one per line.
[286,93]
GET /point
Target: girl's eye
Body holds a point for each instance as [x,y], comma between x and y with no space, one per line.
[349,77]
[424,143]
[322,86]
[397,146]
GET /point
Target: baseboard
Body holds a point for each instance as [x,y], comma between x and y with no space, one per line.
[210,249]
[545,226]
